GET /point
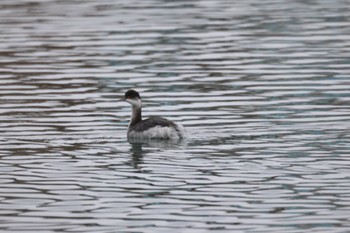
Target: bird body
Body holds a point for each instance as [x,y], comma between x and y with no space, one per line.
[151,128]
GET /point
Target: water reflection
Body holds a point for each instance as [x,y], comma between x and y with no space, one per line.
[140,148]
[137,154]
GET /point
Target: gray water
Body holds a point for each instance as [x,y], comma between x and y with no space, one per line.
[262,88]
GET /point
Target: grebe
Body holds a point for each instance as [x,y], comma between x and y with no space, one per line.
[153,127]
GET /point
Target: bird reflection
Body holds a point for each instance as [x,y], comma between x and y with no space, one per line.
[138,151]
[137,154]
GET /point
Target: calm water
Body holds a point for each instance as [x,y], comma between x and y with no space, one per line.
[263,88]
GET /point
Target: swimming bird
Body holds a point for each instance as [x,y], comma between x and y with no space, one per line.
[151,128]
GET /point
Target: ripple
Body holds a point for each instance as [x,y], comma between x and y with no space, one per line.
[262,89]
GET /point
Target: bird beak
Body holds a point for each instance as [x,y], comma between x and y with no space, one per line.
[122,99]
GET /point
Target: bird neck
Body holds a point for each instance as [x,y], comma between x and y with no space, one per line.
[136,115]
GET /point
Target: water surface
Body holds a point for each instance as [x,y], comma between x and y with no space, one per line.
[261,87]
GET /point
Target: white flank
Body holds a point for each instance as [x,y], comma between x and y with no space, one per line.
[159,132]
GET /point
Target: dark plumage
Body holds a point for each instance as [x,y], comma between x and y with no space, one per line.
[152,122]
[131,94]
